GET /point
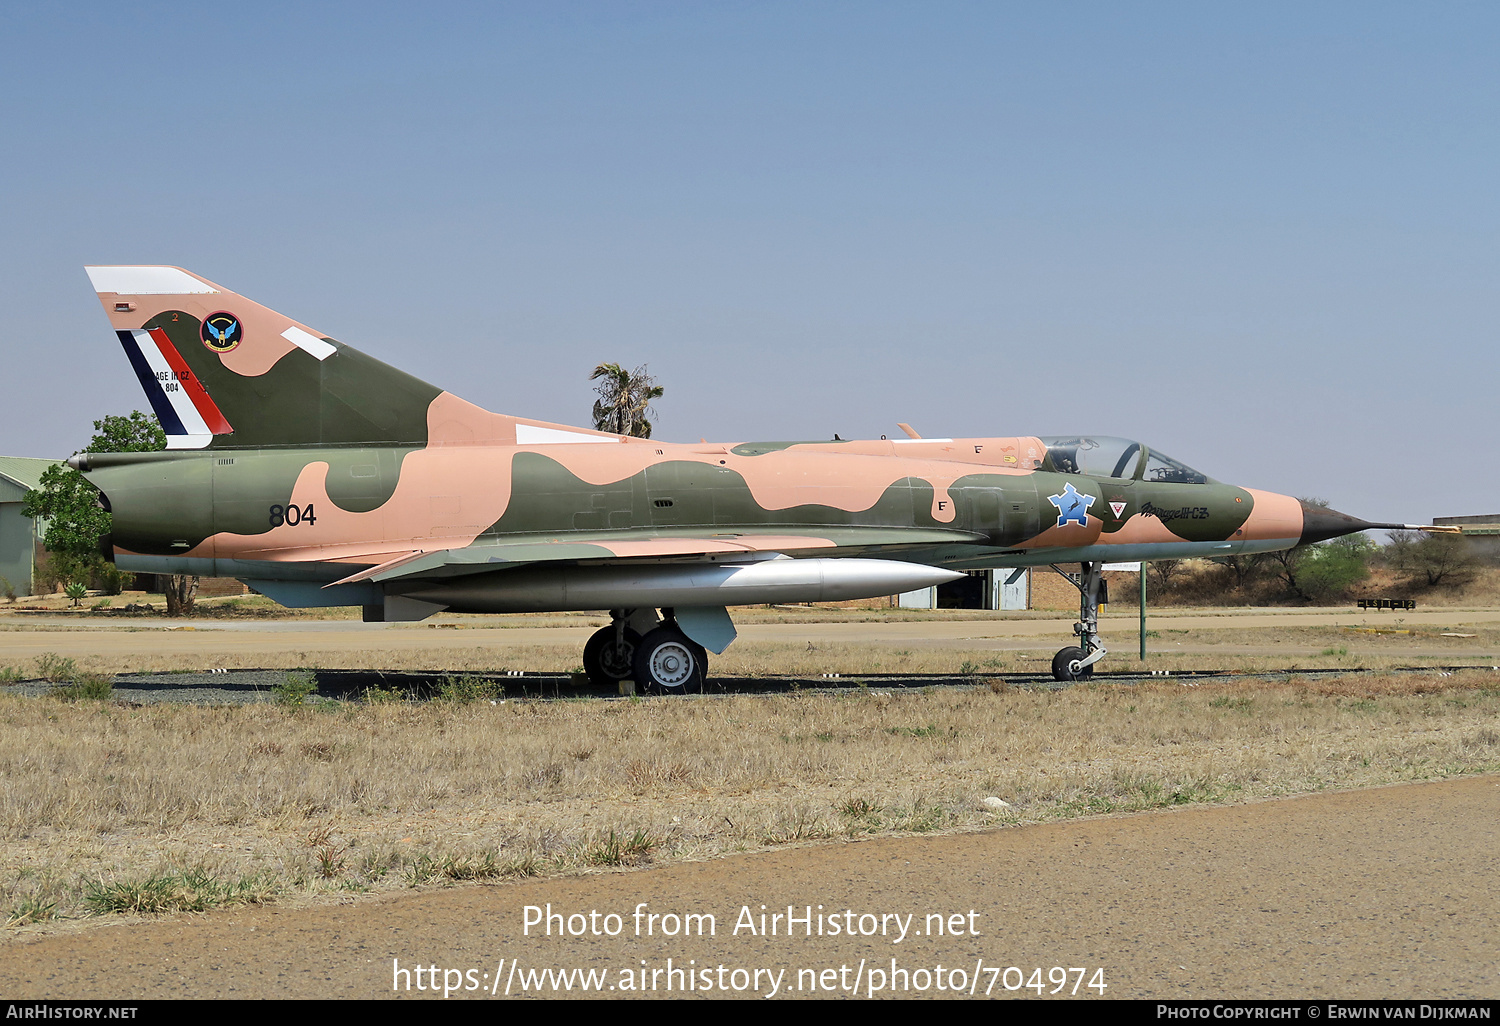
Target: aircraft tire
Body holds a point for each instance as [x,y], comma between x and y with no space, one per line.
[606,662]
[669,661]
[1061,669]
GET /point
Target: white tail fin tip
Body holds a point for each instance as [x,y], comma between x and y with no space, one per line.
[147,281]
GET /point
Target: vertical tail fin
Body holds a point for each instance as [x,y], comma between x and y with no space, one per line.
[224,372]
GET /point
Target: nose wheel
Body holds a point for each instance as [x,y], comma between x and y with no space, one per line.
[1068,665]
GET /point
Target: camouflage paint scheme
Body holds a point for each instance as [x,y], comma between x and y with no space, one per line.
[322,476]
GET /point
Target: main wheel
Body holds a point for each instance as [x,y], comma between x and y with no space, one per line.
[1062,665]
[608,661]
[669,660]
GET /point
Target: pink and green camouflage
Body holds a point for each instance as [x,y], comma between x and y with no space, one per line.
[320,476]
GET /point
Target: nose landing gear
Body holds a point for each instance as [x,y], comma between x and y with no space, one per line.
[1077,662]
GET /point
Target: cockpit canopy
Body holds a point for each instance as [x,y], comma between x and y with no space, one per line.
[1102,456]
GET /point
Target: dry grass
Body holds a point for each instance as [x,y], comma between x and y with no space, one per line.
[105,807]
[1200,582]
[1484,590]
[744,659]
[1237,649]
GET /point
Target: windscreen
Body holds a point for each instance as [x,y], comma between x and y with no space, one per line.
[1161,467]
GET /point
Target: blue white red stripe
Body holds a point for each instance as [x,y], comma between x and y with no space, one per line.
[187,413]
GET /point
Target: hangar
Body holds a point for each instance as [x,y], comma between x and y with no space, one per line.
[20,536]
[1482,531]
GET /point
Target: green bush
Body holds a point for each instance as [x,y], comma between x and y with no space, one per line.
[1326,571]
[110,579]
[54,668]
[195,890]
[30,910]
[1334,567]
[97,686]
[469,687]
[381,695]
[295,688]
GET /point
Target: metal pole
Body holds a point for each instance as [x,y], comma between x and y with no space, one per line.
[1143,610]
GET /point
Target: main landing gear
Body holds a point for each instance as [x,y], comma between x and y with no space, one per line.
[1077,662]
[609,654]
[668,660]
[657,655]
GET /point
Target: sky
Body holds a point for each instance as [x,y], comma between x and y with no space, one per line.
[1259,238]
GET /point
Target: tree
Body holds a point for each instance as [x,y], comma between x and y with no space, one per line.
[1244,568]
[1166,569]
[1333,567]
[1324,571]
[76,520]
[1432,560]
[1317,573]
[138,432]
[624,399]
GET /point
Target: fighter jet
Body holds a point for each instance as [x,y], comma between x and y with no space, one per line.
[320,476]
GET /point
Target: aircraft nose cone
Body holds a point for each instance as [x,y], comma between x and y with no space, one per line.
[1319,523]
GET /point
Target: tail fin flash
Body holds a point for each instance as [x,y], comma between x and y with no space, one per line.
[224,372]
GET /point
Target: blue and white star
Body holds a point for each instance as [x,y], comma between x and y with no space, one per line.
[1072,507]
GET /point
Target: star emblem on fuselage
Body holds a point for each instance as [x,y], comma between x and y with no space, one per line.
[1072,506]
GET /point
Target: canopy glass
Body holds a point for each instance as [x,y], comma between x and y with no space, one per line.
[1103,456]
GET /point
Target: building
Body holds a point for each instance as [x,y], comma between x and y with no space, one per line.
[1022,588]
[977,589]
[20,536]
[1482,531]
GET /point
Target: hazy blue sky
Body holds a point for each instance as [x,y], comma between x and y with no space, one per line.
[1262,237]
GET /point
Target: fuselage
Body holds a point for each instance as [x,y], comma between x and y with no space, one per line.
[320,514]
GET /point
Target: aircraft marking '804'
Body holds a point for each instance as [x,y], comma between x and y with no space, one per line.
[320,476]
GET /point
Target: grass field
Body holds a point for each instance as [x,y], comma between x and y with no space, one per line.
[779,641]
[106,808]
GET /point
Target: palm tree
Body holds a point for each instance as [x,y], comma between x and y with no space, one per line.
[624,399]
